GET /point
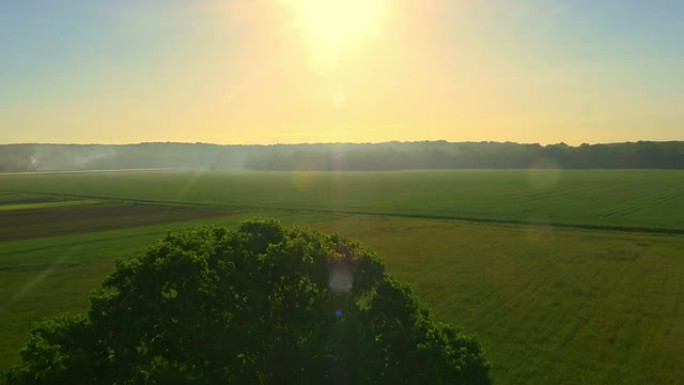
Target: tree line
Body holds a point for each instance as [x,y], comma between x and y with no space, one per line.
[342,156]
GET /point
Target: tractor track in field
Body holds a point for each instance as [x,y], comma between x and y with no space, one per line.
[642,204]
[232,208]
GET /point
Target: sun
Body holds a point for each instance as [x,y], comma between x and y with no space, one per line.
[333,28]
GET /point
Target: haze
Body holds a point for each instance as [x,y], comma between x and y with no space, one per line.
[290,71]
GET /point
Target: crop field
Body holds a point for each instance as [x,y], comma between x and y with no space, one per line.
[637,199]
[45,205]
[88,216]
[567,277]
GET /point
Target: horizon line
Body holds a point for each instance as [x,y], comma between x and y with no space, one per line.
[334,143]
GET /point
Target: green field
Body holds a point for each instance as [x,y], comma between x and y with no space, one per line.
[45,205]
[632,198]
[568,277]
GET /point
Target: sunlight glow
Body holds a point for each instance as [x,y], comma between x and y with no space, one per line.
[333,27]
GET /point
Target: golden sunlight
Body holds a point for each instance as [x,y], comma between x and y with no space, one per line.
[334,27]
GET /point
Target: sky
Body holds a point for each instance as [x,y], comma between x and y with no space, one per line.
[294,71]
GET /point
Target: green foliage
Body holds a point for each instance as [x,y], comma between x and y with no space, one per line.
[342,156]
[261,304]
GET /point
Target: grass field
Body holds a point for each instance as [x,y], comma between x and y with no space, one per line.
[553,303]
[633,198]
[46,205]
[64,220]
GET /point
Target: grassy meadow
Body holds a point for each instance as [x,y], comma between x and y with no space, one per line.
[567,277]
[643,199]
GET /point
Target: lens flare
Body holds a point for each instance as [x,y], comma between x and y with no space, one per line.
[341,280]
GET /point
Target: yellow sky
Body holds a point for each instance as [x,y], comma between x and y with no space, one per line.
[289,71]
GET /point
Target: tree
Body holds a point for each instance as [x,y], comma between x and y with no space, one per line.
[259,305]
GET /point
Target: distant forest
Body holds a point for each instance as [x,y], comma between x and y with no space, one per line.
[341,156]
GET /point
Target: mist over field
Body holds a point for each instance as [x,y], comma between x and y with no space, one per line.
[340,156]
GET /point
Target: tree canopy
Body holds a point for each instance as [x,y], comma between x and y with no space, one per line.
[342,156]
[258,305]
